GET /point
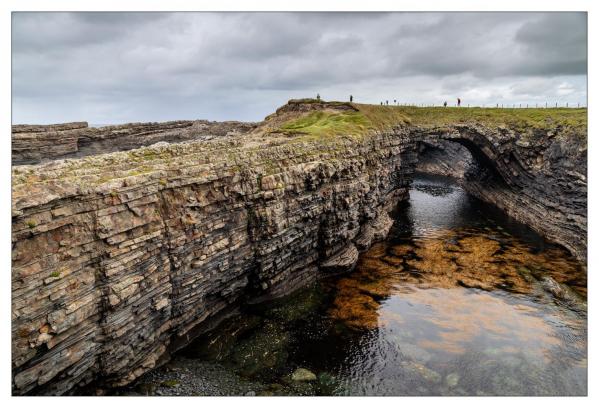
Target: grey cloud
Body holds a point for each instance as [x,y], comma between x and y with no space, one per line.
[556,43]
[497,44]
[37,31]
[109,67]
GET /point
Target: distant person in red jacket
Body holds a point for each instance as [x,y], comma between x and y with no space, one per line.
[459,101]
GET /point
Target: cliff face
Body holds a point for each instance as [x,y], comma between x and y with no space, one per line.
[118,257]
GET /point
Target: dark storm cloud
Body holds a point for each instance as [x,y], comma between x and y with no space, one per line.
[114,67]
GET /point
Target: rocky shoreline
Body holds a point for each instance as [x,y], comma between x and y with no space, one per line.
[34,144]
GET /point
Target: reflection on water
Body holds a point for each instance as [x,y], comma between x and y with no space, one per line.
[460,300]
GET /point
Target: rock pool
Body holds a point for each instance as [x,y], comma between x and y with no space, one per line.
[459,300]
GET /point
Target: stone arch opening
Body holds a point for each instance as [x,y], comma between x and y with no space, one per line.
[458,158]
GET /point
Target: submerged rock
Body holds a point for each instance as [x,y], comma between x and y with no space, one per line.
[563,293]
[451,380]
[146,388]
[423,371]
[302,374]
[171,383]
[299,306]
[264,353]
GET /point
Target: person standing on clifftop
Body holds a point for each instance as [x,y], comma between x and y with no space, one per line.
[351,98]
[445,104]
[459,102]
[318,96]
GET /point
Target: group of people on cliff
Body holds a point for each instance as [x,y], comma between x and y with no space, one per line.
[459,103]
[351,99]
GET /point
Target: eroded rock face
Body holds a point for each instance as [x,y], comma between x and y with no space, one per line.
[538,178]
[32,144]
[443,157]
[116,257]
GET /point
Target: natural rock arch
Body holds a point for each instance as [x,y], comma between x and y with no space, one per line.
[532,178]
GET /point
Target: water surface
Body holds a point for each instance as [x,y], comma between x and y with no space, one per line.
[459,300]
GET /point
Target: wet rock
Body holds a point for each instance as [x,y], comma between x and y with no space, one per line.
[414,352]
[526,274]
[423,371]
[563,293]
[264,353]
[217,344]
[451,380]
[266,393]
[146,388]
[299,306]
[327,384]
[343,261]
[300,388]
[171,383]
[302,374]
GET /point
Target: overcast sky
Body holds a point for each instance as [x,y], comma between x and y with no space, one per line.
[110,68]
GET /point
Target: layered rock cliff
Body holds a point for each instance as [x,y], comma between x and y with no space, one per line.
[32,144]
[118,257]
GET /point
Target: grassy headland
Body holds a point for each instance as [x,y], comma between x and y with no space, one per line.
[352,119]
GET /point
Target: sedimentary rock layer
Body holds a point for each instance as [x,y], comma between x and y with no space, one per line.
[445,158]
[32,144]
[116,256]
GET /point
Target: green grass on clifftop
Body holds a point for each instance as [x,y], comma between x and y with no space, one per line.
[520,119]
[327,123]
[330,122]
